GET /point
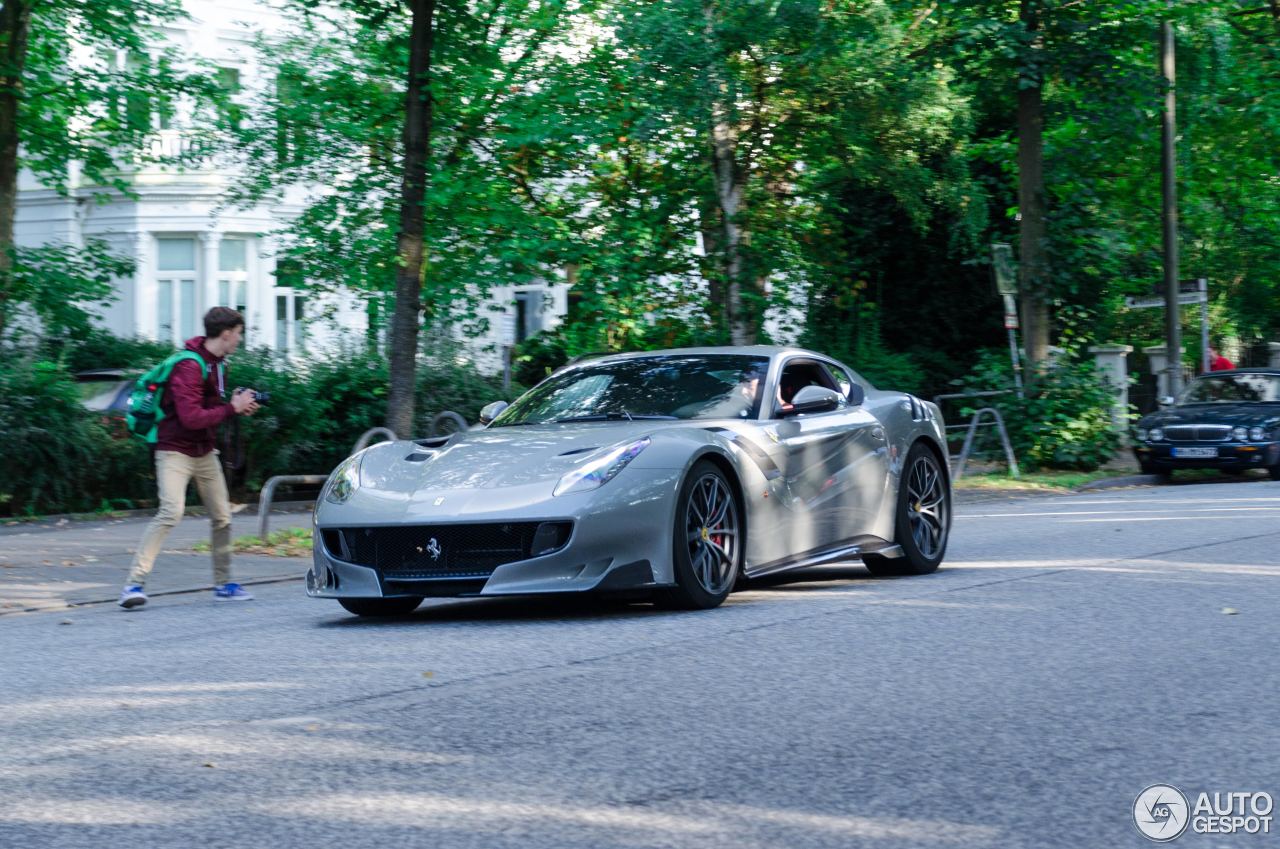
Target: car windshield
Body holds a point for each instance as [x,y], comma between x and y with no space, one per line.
[1232,389]
[685,386]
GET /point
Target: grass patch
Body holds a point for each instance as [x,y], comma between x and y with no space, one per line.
[291,542]
[1043,481]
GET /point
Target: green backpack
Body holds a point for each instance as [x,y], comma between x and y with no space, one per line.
[144,402]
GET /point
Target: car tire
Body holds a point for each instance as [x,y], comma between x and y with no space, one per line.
[375,607]
[921,534]
[1274,471]
[708,541]
[1162,475]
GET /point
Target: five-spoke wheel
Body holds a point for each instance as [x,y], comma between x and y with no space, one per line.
[708,540]
[923,517]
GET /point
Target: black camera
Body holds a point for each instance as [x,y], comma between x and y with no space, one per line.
[259,397]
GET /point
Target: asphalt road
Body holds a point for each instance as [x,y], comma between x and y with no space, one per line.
[1072,652]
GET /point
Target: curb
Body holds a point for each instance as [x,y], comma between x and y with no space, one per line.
[147,512]
[254,582]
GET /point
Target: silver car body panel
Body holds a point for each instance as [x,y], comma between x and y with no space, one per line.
[815,488]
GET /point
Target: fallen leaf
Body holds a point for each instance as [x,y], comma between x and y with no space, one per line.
[313,728]
[66,622]
[428,675]
[1230,611]
[70,563]
[210,765]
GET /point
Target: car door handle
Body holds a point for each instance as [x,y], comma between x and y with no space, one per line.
[877,433]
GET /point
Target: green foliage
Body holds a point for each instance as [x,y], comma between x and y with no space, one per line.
[57,456]
[60,283]
[1062,422]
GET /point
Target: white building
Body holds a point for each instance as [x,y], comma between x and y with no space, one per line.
[192,252]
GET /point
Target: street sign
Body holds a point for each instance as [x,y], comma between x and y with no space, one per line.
[1002,267]
[1010,313]
[1200,284]
[1151,303]
[507,328]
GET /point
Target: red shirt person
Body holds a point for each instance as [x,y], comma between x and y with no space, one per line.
[1217,362]
[194,405]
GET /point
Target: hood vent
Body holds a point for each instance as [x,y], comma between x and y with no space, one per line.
[434,441]
[419,456]
[577,451]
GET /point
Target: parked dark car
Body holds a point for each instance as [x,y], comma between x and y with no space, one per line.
[106,390]
[1228,420]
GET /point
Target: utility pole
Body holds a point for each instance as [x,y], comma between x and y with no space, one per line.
[1169,185]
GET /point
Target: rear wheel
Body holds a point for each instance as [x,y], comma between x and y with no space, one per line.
[398,606]
[922,522]
[708,541]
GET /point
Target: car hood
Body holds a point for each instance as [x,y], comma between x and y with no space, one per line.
[1247,415]
[496,457]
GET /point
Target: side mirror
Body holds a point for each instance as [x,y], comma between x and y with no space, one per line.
[492,411]
[1167,400]
[814,399]
[857,395]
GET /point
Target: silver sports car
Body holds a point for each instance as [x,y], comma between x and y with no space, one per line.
[676,474]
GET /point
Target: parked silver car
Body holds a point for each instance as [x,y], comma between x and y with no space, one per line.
[677,473]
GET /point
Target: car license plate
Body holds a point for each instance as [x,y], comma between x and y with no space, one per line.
[1195,452]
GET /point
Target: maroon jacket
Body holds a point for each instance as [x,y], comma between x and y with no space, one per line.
[193,409]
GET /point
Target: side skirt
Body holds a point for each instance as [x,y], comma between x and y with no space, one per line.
[847,550]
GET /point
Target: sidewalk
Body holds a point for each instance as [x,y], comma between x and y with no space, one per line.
[70,563]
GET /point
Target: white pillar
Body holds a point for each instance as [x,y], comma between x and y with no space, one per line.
[208,277]
[1158,356]
[1274,348]
[261,296]
[1112,362]
[144,287]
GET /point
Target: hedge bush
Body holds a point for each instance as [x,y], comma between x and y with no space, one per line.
[59,457]
[1063,420]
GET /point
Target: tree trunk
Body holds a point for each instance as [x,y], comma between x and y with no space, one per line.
[15,27]
[406,318]
[730,181]
[1033,266]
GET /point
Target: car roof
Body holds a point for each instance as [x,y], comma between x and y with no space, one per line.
[722,350]
[1260,370]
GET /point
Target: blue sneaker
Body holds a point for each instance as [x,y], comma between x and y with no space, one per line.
[231,592]
[132,596]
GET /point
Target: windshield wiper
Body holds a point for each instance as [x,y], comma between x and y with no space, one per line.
[613,417]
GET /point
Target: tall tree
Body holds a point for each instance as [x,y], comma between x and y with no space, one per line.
[410,248]
[64,116]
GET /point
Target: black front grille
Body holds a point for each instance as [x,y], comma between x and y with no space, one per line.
[1197,433]
[443,551]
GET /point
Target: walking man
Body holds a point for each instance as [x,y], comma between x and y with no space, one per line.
[194,406]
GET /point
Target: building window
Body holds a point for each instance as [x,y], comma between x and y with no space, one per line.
[528,313]
[176,303]
[291,322]
[233,274]
[229,88]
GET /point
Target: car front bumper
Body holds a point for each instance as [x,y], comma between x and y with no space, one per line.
[1230,455]
[621,540]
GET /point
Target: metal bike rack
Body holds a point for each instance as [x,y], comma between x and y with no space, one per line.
[971,429]
[998,421]
[269,488]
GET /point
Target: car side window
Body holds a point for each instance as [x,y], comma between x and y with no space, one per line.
[843,380]
[798,374]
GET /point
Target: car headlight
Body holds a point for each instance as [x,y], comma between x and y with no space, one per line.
[1240,434]
[1257,434]
[1157,434]
[344,481]
[1142,434]
[598,472]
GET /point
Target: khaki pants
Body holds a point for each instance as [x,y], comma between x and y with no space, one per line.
[174,470]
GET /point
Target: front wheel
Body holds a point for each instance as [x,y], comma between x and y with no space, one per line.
[922,521]
[398,606]
[708,541]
